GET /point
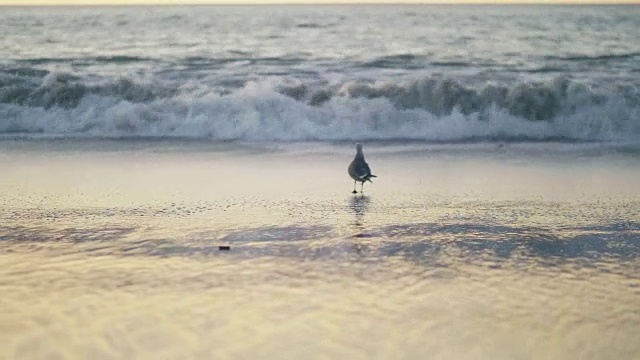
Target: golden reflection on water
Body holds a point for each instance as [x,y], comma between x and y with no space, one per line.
[110,256]
[230,307]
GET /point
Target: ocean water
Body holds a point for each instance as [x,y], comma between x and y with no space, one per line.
[173,182]
[292,73]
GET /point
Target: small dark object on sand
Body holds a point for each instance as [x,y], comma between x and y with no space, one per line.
[224,247]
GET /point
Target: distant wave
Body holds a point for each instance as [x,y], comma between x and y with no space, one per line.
[425,108]
[401,61]
[595,57]
[116,59]
[310,25]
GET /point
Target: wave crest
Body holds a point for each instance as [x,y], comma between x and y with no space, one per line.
[67,91]
[440,96]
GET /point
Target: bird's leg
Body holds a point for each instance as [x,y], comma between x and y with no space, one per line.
[354,188]
[362,187]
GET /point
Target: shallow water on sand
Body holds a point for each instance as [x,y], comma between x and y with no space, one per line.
[455,252]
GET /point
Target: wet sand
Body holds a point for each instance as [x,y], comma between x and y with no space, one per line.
[112,250]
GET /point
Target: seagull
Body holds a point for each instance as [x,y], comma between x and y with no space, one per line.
[359,170]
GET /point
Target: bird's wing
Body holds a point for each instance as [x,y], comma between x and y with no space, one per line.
[362,170]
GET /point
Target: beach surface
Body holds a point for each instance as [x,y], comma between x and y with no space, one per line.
[194,249]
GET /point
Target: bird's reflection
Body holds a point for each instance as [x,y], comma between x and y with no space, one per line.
[359,205]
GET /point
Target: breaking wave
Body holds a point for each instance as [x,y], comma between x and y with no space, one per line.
[424,108]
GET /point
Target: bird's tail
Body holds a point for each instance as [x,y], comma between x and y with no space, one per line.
[369,178]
